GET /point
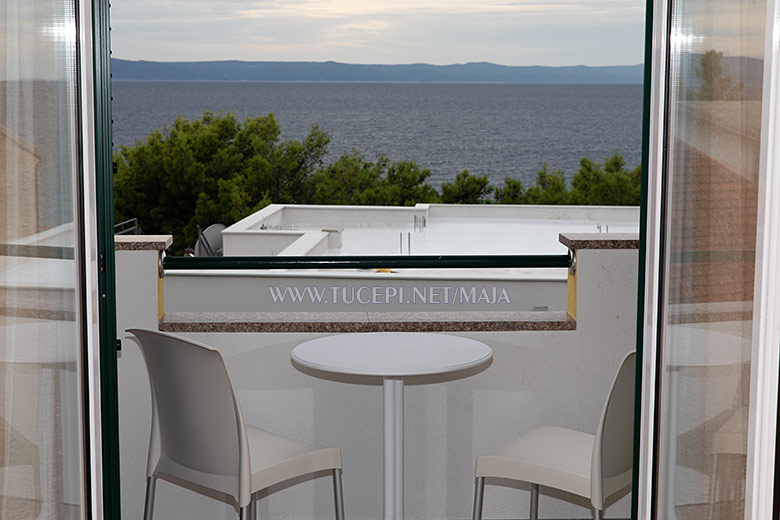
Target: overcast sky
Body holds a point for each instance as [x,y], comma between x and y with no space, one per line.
[509,32]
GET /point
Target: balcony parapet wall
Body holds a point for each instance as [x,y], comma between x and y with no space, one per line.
[603,261]
[231,301]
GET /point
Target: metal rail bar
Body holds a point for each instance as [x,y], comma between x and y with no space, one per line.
[128,227]
[735,255]
[366,262]
[37,251]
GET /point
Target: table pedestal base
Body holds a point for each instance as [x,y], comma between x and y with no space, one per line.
[394,449]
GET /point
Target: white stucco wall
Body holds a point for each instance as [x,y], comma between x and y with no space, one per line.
[536,378]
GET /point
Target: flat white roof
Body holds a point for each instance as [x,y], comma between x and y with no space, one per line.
[434,229]
[476,236]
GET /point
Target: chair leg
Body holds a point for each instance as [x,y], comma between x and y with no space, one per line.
[253,509]
[338,494]
[243,512]
[479,490]
[534,502]
[596,514]
[712,494]
[151,483]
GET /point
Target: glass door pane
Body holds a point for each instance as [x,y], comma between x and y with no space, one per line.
[41,448]
[709,234]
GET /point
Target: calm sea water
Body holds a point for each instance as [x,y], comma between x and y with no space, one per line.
[495,129]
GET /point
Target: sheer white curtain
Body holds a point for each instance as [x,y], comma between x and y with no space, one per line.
[711,200]
[40,396]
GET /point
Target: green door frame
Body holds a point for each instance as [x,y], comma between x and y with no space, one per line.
[109,399]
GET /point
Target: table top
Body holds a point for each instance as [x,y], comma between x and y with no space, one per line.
[391,354]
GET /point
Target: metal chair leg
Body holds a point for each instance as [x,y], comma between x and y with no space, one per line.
[151,483]
[596,514]
[338,494]
[479,491]
[534,502]
[712,493]
[243,512]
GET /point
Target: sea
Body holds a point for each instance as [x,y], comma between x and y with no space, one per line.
[498,130]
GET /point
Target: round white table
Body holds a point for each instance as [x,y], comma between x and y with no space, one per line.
[392,356]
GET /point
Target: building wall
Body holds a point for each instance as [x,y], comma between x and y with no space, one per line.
[536,378]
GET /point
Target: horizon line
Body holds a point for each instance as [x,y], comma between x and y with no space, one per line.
[142,60]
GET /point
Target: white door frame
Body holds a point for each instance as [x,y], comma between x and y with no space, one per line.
[650,319]
[762,425]
[89,252]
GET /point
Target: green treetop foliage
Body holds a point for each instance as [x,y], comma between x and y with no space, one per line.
[218,169]
[611,186]
[715,85]
[550,188]
[404,185]
[352,179]
[212,169]
[467,189]
[512,192]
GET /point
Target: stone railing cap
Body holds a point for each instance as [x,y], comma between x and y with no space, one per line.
[366,321]
[142,242]
[599,240]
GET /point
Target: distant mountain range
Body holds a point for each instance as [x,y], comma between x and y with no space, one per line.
[481,72]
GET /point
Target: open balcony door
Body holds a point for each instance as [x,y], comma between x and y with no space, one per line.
[711,313]
[55,262]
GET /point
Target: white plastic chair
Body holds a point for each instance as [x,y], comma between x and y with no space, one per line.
[595,467]
[198,433]
[729,439]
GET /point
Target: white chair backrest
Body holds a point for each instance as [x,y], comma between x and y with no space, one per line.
[196,421]
[613,449]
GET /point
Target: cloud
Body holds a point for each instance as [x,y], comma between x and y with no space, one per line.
[432,8]
[513,32]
